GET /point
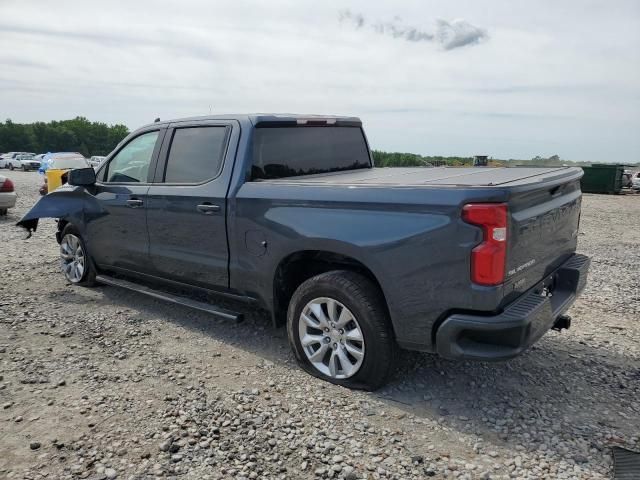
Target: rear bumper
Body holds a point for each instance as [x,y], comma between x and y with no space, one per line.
[522,323]
[8,199]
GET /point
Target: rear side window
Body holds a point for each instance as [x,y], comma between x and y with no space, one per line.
[280,152]
[196,154]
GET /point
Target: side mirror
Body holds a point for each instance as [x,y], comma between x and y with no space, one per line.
[82,177]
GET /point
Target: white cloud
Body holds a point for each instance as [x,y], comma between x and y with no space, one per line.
[551,78]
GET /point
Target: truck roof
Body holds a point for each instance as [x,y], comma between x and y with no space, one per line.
[262,119]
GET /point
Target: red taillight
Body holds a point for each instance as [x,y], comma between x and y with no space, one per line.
[7,186]
[488,259]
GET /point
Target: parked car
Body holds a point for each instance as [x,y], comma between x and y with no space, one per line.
[288,213]
[61,161]
[96,160]
[5,158]
[24,162]
[635,181]
[7,195]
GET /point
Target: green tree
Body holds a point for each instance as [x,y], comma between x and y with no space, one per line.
[75,135]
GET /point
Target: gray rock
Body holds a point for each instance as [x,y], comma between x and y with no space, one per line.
[164,446]
[352,475]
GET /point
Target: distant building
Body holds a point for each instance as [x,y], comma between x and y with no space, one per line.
[480,160]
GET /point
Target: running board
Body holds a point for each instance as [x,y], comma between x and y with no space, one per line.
[187,302]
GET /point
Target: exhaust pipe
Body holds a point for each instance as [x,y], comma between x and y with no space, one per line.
[562,322]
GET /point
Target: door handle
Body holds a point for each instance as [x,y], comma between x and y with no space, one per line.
[134,203]
[208,208]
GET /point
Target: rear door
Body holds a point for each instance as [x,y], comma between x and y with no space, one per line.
[118,237]
[187,203]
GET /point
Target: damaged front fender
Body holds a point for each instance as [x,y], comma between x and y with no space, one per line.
[67,202]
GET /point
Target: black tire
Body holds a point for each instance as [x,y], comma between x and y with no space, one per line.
[3,212]
[24,169]
[366,302]
[89,275]
[11,166]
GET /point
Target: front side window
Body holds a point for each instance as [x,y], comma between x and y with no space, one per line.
[196,154]
[131,164]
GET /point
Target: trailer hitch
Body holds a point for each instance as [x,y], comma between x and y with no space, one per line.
[562,322]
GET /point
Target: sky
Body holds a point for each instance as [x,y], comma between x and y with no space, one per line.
[505,78]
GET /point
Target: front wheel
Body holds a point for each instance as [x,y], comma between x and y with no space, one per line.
[75,263]
[11,166]
[339,330]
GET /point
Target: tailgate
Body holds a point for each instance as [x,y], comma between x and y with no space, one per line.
[543,229]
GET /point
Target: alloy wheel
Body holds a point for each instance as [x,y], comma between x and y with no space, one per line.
[72,258]
[331,338]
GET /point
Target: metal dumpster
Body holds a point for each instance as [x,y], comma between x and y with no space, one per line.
[602,178]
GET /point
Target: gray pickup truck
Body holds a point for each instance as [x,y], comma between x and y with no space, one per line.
[288,213]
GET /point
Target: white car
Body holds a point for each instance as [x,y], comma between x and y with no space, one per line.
[7,195]
[96,160]
[65,161]
[62,161]
[7,157]
[23,162]
[635,181]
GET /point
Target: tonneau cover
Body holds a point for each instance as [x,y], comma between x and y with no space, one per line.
[416,176]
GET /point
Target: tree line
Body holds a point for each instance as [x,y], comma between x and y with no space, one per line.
[395,159]
[77,135]
[97,138]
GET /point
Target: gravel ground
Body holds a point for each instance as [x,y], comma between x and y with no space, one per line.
[103,383]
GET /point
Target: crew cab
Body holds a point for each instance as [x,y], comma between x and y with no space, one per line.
[288,213]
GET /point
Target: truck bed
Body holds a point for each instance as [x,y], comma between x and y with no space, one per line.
[417,176]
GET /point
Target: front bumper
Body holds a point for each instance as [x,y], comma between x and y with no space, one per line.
[521,323]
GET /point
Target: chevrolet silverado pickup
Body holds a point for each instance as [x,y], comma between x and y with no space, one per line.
[288,213]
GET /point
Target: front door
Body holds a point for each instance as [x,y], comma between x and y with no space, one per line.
[187,203]
[117,236]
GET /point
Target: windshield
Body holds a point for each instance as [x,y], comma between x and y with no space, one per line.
[69,162]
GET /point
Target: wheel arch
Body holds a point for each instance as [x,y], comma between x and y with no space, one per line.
[299,266]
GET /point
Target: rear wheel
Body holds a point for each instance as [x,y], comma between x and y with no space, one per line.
[11,166]
[339,330]
[3,212]
[75,263]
